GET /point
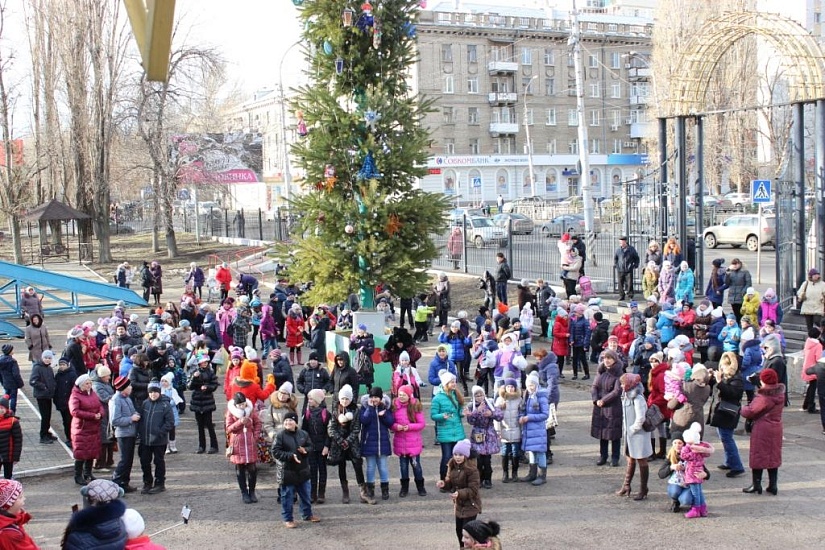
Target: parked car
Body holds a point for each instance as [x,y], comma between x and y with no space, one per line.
[739,199]
[741,230]
[457,214]
[482,231]
[567,223]
[521,224]
[524,202]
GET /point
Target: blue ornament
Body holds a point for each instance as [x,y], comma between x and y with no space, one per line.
[298,2]
[409,29]
[368,170]
[327,47]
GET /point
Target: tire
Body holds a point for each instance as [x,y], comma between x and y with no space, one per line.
[752,243]
[710,240]
[478,241]
[545,232]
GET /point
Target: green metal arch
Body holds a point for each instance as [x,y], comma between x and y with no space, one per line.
[803,59]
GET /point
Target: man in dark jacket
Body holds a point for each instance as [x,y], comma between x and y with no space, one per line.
[503,274]
[74,351]
[43,387]
[64,380]
[292,447]
[626,261]
[248,283]
[343,374]
[146,279]
[156,421]
[10,377]
[312,377]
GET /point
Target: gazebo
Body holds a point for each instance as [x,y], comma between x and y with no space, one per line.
[54,210]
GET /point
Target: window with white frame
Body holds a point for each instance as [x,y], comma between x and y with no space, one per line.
[573,147]
[523,21]
[526,56]
[475,148]
[551,117]
[527,85]
[571,61]
[449,115]
[616,117]
[617,147]
[449,84]
[446,53]
[615,60]
[595,117]
[595,146]
[551,147]
[572,117]
[472,85]
[550,87]
[571,87]
[472,116]
[616,90]
[572,187]
[472,53]
[529,117]
[449,146]
[549,56]
[593,61]
[595,89]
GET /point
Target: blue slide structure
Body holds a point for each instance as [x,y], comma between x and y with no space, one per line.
[62,290]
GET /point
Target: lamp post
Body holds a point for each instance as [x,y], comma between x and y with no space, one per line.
[287,171]
[529,140]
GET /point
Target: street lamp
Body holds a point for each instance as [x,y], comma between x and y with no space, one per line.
[287,171]
[529,141]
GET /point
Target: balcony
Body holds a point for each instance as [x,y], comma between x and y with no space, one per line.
[639,72]
[503,128]
[502,67]
[498,98]
[640,100]
[639,130]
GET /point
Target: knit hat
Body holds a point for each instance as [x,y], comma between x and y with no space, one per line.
[239,398]
[275,353]
[446,377]
[611,354]
[345,392]
[202,358]
[629,381]
[634,304]
[10,491]
[134,317]
[250,353]
[533,378]
[286,387]
[7,349]
[455,324]
[403,356]
[316,396]
[102,371]
[169,377]
[121,383]
[657,356]
[769,377]
[75,333]
[652,299]
[650,339]
[442,347]
[750,290]
[154,385]
[674,354]
[511,382]
[291,416]
[376,391]
[407,390]
[80,380]
[730,316]
[47,355]
[4,401]
[580,309]
[361,326]
[133,522]
[770,293]
[718,262]
[813,271]
[477,389]
[462,448]
[101,491]
[481,531]
[237,353]
[718,313]
[693,435]
[313,356]
[249,371]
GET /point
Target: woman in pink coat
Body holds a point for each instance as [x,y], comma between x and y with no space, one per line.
[243,428]
[409,423]
[86,411]
[455,246]
[765,411]
[226,316]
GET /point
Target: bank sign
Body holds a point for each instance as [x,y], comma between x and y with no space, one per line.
[478,161]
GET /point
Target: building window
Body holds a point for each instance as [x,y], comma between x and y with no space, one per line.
[616,91]
[615,60]
[449,146]
[472,85]
[472,53]
[524,21]
[571,87]
[595,118]
[571,61]
[615,118]
[472,116]
[529,117]
[617,147]
[449,86]
[527,85]
[550,86]
[612,27]
[551,117]
[444,17]
[573,147]
[526,56]
[500,86]
[593,61]
[446,53]
[474,146]
[551,147]
[549,56]
[595,146]
[449,117]
[594,89]
[503,146]
[572,117]
[572,187]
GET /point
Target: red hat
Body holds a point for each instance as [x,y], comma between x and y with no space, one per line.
[565,237]
[121,383]
[10,491]
[769,377]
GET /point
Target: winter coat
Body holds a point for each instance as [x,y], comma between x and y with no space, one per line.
[650,281]
[317,338]
[716,295]
[626,259]
[98,527]
[30,304]
[729,390]
[811,354]
[203,400]
[314,379]
[667,284]
[407,377]
[536,410]
[342,376]
[437,365]
[693,409]
[142,542]
[656,388]
[606,421]
[14,536]
[665,326]
[343,434]
[375,428]
[63,386]
[508,427]
[104,392]
[42,381]
[684,286]
[85,431]
[409,442]
[37,341]
[457,345]
[814,293]
[769,309]
[274,414]
[543,295]
[11,438]
[729,337]
[240,330]
[701,328]
[766,435]
[294,330]
[483,436]
[695,461]
[10,377]
[465,480]
[196,277]
[121,410]
[251,390]
[571,268]
[268,328]
[777,362]
[139,378]
[579,332]
[624,333]
[751,361]
[737,281]
[561,336]
[282,371]
[549,378]
[750,306]
[634,408]
[157,279]
[449,429]
[243,428]
[156,421]
[316,424]
[599,334]
[285,450]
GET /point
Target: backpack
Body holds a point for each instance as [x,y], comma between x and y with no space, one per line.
[653,417]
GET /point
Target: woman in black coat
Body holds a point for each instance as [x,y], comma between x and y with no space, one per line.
[203,384]
[64,378]
[606,422]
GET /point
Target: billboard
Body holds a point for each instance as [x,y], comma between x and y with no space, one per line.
[228,158]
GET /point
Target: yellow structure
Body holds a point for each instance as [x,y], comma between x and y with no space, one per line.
[152,23]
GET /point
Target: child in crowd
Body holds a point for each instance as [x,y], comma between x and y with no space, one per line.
[166,389]
[694,453]
[376,420]
[316,424]
[11,438]
[509,403]
[243,428]
[481,414]
[407,441]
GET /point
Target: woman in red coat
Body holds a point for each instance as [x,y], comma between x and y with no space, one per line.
[295,334]
[561,338]
[86,411]
[765,411]
[243,428]
[656,386]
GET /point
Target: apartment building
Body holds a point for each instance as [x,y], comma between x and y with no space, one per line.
[500,73]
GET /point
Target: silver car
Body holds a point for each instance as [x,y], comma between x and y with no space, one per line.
[522,225]
[741,230]
[567,223]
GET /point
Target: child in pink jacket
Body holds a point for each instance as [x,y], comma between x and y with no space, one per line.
[407,442]
[694,453]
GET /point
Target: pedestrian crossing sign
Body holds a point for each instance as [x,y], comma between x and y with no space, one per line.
[761,192]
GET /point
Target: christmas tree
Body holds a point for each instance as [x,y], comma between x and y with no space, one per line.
[362,146]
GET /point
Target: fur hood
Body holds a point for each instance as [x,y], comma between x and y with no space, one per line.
[278,404]
[240,412]
[386,400]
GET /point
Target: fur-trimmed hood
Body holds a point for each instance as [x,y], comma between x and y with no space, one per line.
[385,399]
[241,411]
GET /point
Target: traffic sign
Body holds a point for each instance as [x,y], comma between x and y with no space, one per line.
[476,181]
[761,192]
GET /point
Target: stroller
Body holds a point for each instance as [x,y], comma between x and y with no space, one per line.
[586,288]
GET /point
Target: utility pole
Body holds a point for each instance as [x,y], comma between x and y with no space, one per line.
[529,140]
[584,162]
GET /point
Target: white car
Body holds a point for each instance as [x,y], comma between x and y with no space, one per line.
[742,230]
[482,231]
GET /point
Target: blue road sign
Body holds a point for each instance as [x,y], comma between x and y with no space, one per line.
[476,181]
[761,192]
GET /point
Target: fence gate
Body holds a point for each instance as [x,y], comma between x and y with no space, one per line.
[787,218]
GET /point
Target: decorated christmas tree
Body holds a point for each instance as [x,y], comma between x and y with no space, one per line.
[363,146]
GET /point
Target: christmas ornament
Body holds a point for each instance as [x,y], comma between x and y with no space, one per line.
[366,20]
[393,225]
[349,229]
[298,2]
[376,35]
[327,47]
[329,171]
[330,183]
[346,17]
[368,170]
[302,125]
[409,29]
[371,118]
[322,217]
[339,65]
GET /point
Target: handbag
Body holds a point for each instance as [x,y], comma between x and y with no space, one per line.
[804,296]
[552,418]
[724,415]
[479,437]
[653,417]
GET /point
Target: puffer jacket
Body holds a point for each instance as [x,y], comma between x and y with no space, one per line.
[345,437]
[769,309]
[408,442]
[684,286]
[104,392]
[121,410]
[273,415]
[508,426]
[766,437]
[10,377]
[98,527]
[814,297]
[481,424]
[606,421]
[42,381]
[536,409]
[243,428]
[465,480]
[202,400]
[549,377]
[665,326]
[457,344]
[11,438]
[450,429]
[83,407]
[667,284]
[716,295]
[737,281]
[729,337]
[579,332]
[316,424]
[375,427]
[751,361]
[701,327]
[285,450]
[139,378]
[156,421]
[437,365]
[64,384]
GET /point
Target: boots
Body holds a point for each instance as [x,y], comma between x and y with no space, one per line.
[172,447]
[695,512]
[313,494]
[515,463]
[78,472]
[662,448]
[100,461]
[541,478]
[344,493]
[110,455]
[505,465]
[405,488]
[644,472]
[419,484]
[365,494]
[756,485]
[253,482]
[773,473]
[652,456]
[87,471]
[322,490]
[530,477]
[385,490]
[241,475]
[628,479]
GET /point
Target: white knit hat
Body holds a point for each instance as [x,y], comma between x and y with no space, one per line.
[133,522]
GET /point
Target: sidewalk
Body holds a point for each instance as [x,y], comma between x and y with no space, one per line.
[36,458]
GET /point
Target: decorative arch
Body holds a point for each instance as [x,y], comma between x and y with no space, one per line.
[802,58]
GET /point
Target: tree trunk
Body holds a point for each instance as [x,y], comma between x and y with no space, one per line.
[16,239]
